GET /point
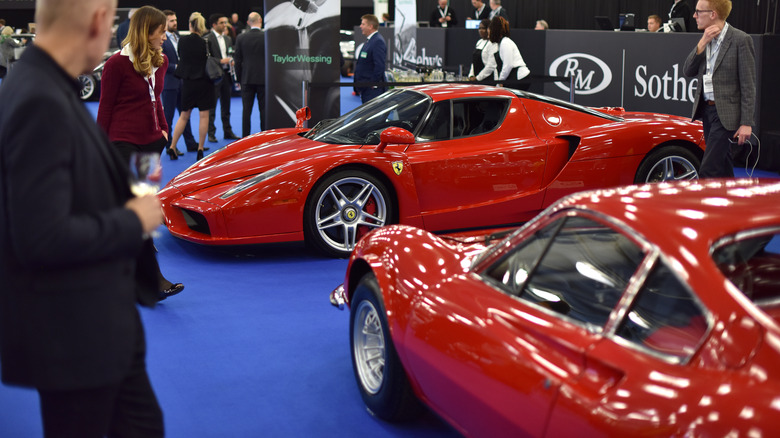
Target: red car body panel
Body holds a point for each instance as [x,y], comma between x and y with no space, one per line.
[539,153]
[492,365]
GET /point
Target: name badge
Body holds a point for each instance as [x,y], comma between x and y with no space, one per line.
[707,79]
[363,54]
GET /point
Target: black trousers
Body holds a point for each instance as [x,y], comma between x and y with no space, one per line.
[223,90]
[370,93]
[128,409]
[718,160]
[126,149]
[171,100]
[248,94]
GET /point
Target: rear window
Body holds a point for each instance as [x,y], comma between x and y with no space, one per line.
[751,261]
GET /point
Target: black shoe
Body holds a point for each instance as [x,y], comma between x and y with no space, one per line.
[230,136]
[200,155]
[172,154]
[212,138]
[192,147]
[171,291]
[178,152]
[205,148]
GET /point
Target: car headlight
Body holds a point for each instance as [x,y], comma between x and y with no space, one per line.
[250,182]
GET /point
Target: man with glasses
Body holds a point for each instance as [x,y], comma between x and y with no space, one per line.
[724,63]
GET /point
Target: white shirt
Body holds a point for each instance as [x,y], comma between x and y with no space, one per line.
[174,40]
[488,50]
[221,42]
[511,58]
[713,49]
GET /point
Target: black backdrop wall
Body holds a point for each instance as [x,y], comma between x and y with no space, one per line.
[752,16]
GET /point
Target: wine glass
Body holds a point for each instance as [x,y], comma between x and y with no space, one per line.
[145,175]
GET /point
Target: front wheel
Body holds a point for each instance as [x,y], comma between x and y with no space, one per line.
[88,87]
[670,163]
[344,207]
[382,380]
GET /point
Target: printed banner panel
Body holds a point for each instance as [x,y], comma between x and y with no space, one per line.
[636,70]
[302,46]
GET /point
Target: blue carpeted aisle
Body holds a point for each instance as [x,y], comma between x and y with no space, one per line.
[251,347]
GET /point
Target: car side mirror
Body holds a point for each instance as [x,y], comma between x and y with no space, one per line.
[394,135]
[301,116]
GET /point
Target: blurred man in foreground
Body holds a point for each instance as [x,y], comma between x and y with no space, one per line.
[74,259]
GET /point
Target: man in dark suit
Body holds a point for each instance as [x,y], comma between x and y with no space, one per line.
[724,63]
[123,27]
[171,94]
[221,47]
[370,62]
[250,71]
[443,15]
[73,259]
[481,11]
[497,10]
[681,9]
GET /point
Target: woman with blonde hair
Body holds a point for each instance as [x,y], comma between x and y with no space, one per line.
[197,89]
[130,109]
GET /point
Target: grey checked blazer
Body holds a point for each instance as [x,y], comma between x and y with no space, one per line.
[733,80]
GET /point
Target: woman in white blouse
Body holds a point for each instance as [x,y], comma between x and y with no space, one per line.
[507,60]
[483,52]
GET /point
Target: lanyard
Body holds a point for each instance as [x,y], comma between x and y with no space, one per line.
[712,53]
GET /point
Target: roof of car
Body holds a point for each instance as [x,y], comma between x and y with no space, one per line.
[693,211]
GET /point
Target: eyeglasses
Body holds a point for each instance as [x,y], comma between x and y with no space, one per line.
[701,11]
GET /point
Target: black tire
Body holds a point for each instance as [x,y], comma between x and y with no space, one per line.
[380,376]
[669,163]
[342,208]
[89,87]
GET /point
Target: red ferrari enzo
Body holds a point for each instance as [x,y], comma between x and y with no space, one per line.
[456,157]
[650,310]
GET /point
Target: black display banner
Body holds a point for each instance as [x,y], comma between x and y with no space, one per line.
[638,71]
[302,46]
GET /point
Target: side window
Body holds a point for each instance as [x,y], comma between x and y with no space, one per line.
[579,269]
[751,264]
[438,125]
[474,117]
[664,317]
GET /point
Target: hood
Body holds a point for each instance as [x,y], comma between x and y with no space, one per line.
[250,156]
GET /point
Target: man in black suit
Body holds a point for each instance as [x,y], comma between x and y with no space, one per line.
[221,47]
[171,94]
[250,71]
[73,259]
[498,10]
[481,11]
[121,30]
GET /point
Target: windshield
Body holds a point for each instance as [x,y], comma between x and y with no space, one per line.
[398,107]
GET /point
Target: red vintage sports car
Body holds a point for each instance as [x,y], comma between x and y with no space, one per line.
[650,310]
[457,157]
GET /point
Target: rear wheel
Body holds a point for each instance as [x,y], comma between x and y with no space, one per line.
[381,378]
[670,163]
[344,207]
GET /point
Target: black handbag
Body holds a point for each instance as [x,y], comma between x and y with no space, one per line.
[213,67]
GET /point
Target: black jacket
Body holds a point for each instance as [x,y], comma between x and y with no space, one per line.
[250,57]
[73,262]
[192,57]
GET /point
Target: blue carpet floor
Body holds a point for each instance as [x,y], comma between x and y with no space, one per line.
[251,347]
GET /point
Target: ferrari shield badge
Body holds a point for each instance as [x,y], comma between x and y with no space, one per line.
[398,167]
